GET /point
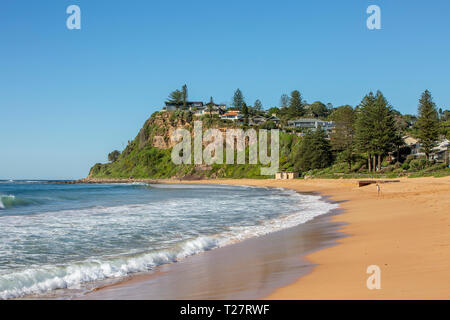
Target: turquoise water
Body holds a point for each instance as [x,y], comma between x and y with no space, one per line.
[61,236]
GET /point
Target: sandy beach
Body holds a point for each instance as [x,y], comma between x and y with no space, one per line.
[405,231]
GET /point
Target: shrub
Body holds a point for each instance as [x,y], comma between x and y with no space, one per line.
[419,164]
[409,158]
[436,167]
[113,156]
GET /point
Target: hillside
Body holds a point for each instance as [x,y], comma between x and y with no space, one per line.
[148,156]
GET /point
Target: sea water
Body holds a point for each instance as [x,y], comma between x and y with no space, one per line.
[64,236]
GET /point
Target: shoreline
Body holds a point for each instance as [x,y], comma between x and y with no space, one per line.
[405,231]
[272,257]
[321,210]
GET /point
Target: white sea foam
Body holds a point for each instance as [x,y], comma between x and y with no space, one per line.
[44,278]
[5,198]
[39,280]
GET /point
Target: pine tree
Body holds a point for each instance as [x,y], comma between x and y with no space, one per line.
[314,152]
[427,123]
[284,101]
[184,91]
[385,129]
[295,105]
[257,105]
[375,128]
[245,112]
[342,139]
[364,130]
[210,106]
[176,98]
[238,99]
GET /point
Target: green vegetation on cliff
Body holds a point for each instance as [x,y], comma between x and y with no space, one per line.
[148,156]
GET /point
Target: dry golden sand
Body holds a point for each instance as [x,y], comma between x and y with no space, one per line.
[405,231]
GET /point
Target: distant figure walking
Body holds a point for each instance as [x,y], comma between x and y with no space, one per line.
[378,189]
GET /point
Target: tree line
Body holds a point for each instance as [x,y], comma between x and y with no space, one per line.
[370,130]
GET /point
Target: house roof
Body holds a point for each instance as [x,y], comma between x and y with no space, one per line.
[308,120]
[187,103]
[259,117]
[410,140]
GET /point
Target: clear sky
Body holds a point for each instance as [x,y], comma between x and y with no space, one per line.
[68,97]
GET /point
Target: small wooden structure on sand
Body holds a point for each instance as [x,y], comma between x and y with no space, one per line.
[288,175]
[363,183]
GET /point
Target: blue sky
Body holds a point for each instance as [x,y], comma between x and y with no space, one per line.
[68,97]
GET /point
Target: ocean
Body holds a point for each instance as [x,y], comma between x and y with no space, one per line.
[64,240]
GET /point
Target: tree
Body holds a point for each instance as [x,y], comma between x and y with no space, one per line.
[386,133]
[427,123]
[445,128]
[176,98]
[210,106]
[273,110]
[318,109]
[189,116]
[238,99]
[314,152]
[446,115]
[364,125]
[245,112]
[257,105]
[184,91]
[113,156]
[284,101]
[376,131]
[342,139]
[295,104]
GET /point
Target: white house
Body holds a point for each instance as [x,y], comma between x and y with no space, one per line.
[232,115]
[414,145]
[439,152]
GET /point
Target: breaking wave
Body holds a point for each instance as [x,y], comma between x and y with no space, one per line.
[41,279]
[7,201]
[46,278]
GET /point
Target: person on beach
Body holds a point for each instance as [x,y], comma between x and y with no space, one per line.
[378,189]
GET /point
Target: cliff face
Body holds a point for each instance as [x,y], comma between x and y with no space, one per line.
[157,130]
[148,156]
